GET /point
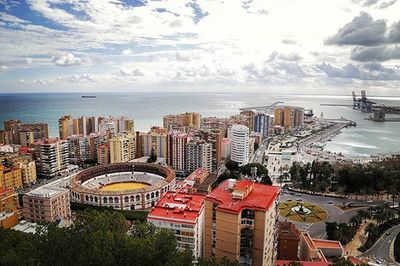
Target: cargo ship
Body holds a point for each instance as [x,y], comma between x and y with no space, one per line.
[88,96]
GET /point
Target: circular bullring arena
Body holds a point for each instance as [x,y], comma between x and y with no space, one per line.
[122,186]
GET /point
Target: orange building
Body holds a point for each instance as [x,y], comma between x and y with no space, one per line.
[289,117]
[10,177]
[240,222]
[8,208]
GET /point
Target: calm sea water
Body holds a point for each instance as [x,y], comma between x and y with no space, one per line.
[147,110]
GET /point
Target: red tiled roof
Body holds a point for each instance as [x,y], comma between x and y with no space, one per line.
[178,206]
[260,198]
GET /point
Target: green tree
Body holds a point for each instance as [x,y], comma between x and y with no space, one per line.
[153,157]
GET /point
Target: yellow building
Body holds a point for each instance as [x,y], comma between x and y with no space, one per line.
[9,213]
[65,126]
[26,138]
[289,117]
[28,171]
[241,221]
[10,177]
[122,148]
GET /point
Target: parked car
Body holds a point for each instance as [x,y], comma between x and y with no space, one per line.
[299,199]
[330,202]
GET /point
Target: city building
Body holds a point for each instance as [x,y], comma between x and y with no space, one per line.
[51,157]
[79,149]
[28,170]
[239,137]
[103,154]
[214,137]
[10,177]
[122,148]
[183,214]
[47,204]
[177,151]
[13,126]
[26,138]
[40,130]
[288,241]
[182,122]
[65,126]
[6,137]
[317,249]
[199,181]
[9,213]
[241,222]
[225,148]
[289,117]
[198,155]
[262,123]
[116,125]
[154,141]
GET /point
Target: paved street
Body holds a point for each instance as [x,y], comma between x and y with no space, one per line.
[317,230]
[380,252]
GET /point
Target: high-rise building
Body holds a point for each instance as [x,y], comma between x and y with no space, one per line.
[95,140]
[198,155]
[262,124]
[182,122]
[47,204]
[225,148]
[116,125]
[26,138]
[103,154]
[65,126]
[40,130]
[13,125]
[6,137]
[240,222]
[10,177]
[214,137]
[239,137]
[79,149]
[122,148]
[177,151]
[289,117]
[184,215]
[51,157]
[8,208]
[156,142]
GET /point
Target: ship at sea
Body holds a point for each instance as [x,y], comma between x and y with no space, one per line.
[88,96]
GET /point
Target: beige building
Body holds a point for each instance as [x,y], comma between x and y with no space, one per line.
[28,171]
[240,222]
[156,142]
[182,121]
[47,204]
[122,148]
[103,154]
[10,177]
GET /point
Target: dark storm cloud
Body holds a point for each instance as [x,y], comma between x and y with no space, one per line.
[370,71]
[379,53]
[362,30]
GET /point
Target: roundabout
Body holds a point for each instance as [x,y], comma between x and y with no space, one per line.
[304,212]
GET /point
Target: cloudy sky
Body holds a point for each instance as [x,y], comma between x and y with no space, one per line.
[129,45]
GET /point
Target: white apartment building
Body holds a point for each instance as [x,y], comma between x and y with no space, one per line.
[198,155]
[239,138]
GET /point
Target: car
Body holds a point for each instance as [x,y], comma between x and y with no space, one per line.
[330,202]
[289,199]
[370,201]
[298,194]
[299,199]
[387,233]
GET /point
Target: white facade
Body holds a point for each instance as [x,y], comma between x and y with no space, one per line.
[239,137]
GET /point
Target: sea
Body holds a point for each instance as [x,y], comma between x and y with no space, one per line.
[148,108]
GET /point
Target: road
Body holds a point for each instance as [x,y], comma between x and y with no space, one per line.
[317,230]
[380,252]
[258,155]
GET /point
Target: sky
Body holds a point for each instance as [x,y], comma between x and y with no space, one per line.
[307,46]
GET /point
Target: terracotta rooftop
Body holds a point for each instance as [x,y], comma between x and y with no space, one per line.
[179,206]
[320,243]
[260,197]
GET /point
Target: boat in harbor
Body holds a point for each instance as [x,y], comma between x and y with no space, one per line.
[88,96]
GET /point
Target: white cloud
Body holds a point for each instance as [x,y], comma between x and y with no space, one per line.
[127,52]
[66,60]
